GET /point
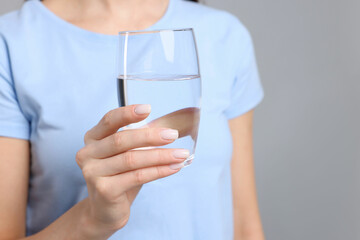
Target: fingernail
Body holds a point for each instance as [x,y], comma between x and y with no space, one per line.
[169,134]
[181,153]
[142,109]
[176,166]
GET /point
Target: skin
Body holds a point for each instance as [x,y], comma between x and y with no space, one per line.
[180,120]
[247,221]
[107,159]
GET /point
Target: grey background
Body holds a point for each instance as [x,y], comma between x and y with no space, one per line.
[307,139]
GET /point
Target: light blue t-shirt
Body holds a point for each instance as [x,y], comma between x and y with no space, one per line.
[58,80]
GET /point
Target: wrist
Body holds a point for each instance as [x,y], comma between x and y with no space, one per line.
[90,228]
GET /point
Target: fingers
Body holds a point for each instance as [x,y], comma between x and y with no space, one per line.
[116,119]
[130,139]
[129,180]
[137,159]
[184,120]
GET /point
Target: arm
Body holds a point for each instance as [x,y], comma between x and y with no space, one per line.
[14,180]
[247,222]
[14,169]
[106,160]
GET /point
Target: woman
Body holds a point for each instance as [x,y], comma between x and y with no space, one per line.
[59,110]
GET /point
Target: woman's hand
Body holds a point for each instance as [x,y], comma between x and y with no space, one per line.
[114,171]
[185,120]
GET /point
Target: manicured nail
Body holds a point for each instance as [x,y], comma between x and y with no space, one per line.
[169,134]
[176,166]
[142,109]
[181,153]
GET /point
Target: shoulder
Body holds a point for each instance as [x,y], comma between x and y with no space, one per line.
[8,26]
[215,23]
[15,29]
[15,22]
[215,18]
[8,22]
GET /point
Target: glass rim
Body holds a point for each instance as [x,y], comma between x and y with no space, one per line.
[155,31]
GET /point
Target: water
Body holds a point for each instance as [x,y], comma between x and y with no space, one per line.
[175,103]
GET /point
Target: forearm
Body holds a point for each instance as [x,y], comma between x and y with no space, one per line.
[74,224]
[247,222]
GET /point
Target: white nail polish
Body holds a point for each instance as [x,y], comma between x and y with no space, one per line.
[181,153]
[142,109]
[176,166]
[169,134]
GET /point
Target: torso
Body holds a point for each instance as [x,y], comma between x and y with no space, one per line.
[65,80]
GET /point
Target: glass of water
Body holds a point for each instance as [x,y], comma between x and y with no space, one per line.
[161,68]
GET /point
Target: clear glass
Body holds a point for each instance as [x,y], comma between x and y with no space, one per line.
[161,68]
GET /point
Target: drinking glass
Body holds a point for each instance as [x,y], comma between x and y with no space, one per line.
[161,68]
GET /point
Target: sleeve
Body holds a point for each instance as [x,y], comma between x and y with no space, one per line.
[246,91]
[13,123]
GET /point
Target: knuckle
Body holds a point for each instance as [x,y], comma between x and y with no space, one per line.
[88,171]
[139,177]
[122,223]
[159,173]
[107,119]
[117,139]
[102,188]
[148,136]
[159,156]
[80,157]
[129,160]
[86,136]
